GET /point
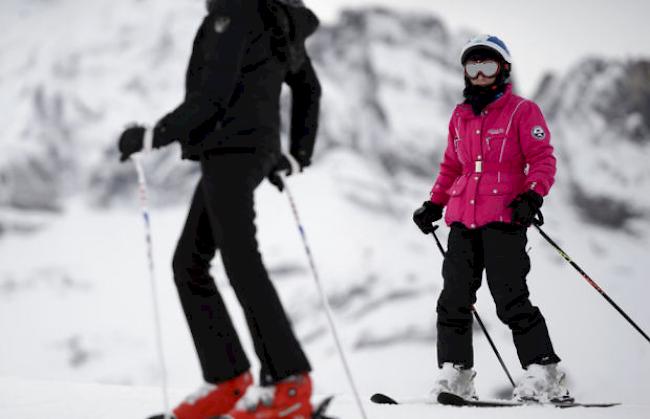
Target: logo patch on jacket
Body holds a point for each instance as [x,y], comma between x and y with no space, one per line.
[221,23]
[538,132]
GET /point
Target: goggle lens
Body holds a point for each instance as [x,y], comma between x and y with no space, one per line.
[487,68]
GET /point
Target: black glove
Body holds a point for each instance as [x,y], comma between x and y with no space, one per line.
[525,207]
[286,164]
[426,215]
[131,141]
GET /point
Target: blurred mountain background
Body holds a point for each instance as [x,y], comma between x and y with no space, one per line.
[73,73]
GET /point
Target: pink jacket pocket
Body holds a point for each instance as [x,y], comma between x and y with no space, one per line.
[492,202]
[455,205]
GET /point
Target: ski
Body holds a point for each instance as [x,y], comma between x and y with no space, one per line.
[381,398]
[319,411]
[448,399]
[454,400]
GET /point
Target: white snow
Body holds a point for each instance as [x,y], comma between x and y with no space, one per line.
[75,304]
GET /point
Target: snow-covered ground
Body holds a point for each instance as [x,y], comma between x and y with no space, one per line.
[38,399]
[76,304]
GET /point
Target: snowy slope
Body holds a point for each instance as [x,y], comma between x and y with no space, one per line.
[72,308]
[36,399]
[75,303]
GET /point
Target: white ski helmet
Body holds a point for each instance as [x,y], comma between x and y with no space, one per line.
[486,41]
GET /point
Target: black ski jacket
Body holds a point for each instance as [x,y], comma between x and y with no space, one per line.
[243,52]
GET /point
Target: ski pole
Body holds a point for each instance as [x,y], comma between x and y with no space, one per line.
[142,186]
[323,296]
[478,318]
[537,223]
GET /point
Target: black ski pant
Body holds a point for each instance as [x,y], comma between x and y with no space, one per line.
[221,217]
[500,250]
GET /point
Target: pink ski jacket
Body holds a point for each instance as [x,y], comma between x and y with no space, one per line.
[491,158]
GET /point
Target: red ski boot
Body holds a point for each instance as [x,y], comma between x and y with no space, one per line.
[287,399]
[212,399]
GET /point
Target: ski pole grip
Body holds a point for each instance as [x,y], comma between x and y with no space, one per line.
[539,219]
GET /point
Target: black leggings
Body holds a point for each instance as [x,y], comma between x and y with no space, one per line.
[222,217]
[500,249]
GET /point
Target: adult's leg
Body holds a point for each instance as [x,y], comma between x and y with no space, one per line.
[229,181]
[507,265]
[217,344]
[462,270]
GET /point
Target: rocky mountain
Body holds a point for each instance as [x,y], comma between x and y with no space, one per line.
[600,116]
[390,79]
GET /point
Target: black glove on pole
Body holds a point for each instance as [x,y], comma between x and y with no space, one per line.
[287,165]
[426,215]
[131,141]
[525,207]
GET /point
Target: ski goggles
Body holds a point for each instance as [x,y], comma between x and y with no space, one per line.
[488,68]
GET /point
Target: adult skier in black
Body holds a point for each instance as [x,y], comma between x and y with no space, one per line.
[497,167]
[229,121]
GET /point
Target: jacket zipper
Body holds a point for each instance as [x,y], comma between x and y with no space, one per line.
[503,147]
[457,148]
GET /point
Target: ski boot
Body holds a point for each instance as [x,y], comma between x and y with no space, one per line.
[211,400]
[289,398]
[542,384]
[456,380]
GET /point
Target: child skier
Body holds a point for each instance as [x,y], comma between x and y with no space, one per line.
[229,122]
[497,166]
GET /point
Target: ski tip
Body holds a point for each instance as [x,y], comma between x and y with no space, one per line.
[382,399]
[322,406]
[451,399]
[319,413]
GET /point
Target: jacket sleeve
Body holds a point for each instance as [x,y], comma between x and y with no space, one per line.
[450,169]
[535,140]
[223,48]
[305,108]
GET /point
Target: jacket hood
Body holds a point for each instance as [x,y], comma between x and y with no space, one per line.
[304,20]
